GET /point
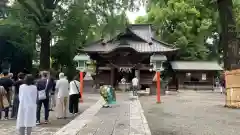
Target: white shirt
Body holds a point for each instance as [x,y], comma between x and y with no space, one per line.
[27,106]
[135,81]
[123,80]
[62,86]
[74,87]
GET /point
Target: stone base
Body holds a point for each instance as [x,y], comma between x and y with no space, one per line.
[143,93]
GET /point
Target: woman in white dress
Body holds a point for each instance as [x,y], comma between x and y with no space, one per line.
[26,118]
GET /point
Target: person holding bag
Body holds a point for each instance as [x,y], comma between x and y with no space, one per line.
[4,103]
[43,96]
[7,83]
[74,95]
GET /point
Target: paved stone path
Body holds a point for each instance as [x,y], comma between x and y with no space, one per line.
[8,127]
[124,118]
[191,113]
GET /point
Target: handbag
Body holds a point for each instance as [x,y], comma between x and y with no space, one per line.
[42,93]
[5,102]
[78,89]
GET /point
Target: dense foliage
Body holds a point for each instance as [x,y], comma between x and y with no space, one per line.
[191,25]
[32,26]
[67,25]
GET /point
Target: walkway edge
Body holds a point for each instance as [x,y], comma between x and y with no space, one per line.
[145,122]
[138,119]
[73,127]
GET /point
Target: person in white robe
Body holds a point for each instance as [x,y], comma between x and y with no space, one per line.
[26,118]
[62,87]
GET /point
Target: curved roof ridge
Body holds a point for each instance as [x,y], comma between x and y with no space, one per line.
[165,44]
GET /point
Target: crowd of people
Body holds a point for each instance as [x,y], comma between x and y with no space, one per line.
[26,95]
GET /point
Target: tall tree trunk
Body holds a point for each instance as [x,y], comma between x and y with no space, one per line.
[45,36]
[229,35]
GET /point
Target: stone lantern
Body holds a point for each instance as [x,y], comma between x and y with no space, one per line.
[81,60]
[156,60]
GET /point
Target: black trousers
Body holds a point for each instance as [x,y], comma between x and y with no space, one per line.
[73,103]
[135,89]
[6,110]
[45,103]
[15,106]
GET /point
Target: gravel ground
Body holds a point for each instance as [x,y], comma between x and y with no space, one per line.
[191,113]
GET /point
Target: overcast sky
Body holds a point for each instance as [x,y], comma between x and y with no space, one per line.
[133,15]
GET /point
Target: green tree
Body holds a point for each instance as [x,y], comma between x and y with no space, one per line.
[15,47]
[228,38]
[189,24]
[41,13]
[83,23]
[184,24]
[17,39]
[48,16]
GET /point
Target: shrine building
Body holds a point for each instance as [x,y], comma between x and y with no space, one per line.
[128,55]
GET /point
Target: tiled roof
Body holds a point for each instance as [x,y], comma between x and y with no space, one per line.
[196,65]
[136,45]
[143,31]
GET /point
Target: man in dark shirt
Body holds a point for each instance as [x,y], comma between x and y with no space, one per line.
[44,84]
[16,95]
[52,101]
[7,83]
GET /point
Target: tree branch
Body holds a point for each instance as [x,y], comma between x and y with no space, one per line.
[56,3]
[30,9]
[39,4]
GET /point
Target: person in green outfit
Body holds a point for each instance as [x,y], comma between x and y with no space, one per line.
[104,94]
[106,91]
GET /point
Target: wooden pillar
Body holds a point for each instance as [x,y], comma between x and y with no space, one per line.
[112,77]
[212,82]
[81,86]
[177,81]
[112,82]
[158,87]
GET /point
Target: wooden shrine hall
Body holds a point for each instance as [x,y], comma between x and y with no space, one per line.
[127,55]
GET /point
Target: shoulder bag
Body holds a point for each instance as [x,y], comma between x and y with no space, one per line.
[42,93]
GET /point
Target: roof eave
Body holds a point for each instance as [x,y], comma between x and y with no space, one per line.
[165,44]
[137,35]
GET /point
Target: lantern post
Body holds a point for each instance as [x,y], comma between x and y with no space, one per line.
[157,60]
[81,60]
